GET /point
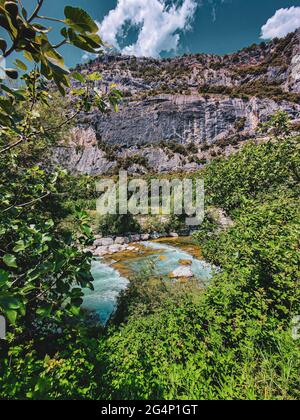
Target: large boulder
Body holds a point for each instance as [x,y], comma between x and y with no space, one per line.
[98,242]
[107,241]
[145,237]
[113,249]
[182,272]
[120,241]
[135,238]
[101,251]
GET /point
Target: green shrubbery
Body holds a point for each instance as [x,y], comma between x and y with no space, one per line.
[186,348]
[233,341]
[63,367]
[257,169]
[118,225]
[259,88]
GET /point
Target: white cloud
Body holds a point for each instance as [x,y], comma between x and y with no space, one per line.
[283,22]
[158,25]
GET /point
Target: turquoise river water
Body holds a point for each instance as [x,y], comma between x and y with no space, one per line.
[108,283]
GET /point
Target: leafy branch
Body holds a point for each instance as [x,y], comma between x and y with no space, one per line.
[35,248]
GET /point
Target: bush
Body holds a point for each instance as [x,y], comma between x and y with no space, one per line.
[118,225]
[256,169]
[260,259]
[180,351]
[240,123]
[67,370]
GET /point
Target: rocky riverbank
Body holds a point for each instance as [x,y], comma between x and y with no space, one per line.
[104,246]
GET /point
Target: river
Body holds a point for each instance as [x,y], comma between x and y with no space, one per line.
[110,281]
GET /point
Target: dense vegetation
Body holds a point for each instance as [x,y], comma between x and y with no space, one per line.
[42,264]
[234,340]
[230,341]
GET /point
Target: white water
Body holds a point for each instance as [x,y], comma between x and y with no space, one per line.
[109,284]
[173,255]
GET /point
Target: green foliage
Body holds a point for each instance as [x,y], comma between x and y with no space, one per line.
[239,125]
[175,345]
[259,257]
[207,228]
[41,262]
[69,370]
[30,37]
[118,225]
[20,108]
[279,124]
[259,88]
[126,162]
[255,170]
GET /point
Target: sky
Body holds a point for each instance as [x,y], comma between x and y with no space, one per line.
[161,28]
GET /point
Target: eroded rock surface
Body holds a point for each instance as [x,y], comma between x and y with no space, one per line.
[203,100]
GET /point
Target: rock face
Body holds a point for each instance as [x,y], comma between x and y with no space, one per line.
[184,119]
[182,272]
[86,160]
[200,100]
[138,130]
[293,75]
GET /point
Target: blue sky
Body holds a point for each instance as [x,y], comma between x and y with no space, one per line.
[192,26]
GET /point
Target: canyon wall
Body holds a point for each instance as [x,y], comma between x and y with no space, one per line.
[212,103]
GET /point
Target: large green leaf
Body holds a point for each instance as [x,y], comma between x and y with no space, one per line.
[79,42]
[79,77]
[12,316]
[20,65]
[56,66]
[44,311]
[4,278]
[8,302]
[80,20]
[10,260]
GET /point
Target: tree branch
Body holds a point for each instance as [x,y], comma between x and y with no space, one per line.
[36,11]
[34,15]
[48,130]
[11,146]
[50,18]
[63,42]
[28,203]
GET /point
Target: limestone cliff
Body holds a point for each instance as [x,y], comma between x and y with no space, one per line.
[180,112]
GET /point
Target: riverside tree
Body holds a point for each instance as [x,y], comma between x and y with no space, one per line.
[42,266]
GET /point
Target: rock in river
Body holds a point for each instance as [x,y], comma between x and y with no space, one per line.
[185,262]
[182,272]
